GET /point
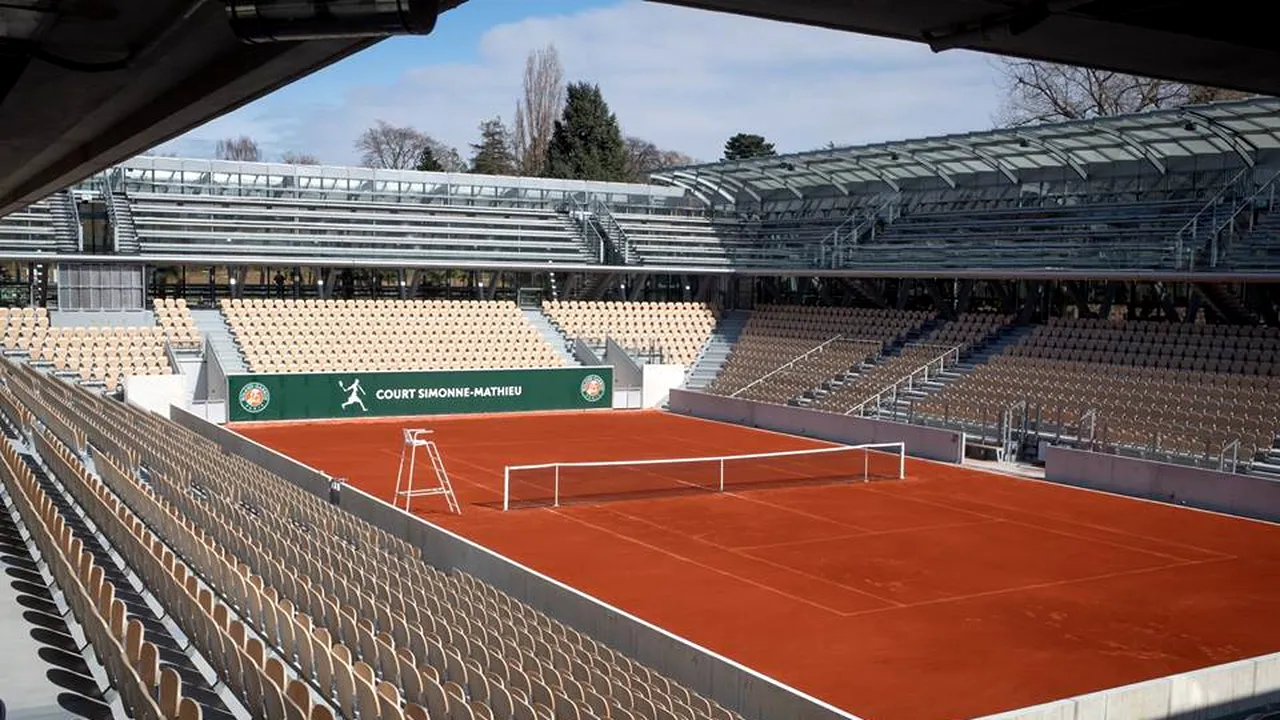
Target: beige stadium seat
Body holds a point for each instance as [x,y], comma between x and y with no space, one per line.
[785,350]
[1183,390]
[677,330]
[341,335]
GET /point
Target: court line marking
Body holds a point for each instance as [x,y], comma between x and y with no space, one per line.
[1077,536]
[1104,528]
[1043,585]
[872,533]
[645,470]
[1006,475]
[704,566]
[892,603]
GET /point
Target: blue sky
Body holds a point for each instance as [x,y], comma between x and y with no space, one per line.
[684,79]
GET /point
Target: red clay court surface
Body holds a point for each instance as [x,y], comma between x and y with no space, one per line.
[952,594]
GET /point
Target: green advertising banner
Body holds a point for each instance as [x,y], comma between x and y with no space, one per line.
[312,396]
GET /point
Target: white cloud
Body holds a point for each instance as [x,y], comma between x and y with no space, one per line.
[684,79]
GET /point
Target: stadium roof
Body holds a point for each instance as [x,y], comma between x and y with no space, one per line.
[1242,130]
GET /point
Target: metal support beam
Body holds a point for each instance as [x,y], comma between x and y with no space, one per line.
[1246,150]
[964,296]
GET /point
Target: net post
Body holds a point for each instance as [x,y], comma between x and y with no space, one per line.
[556,502]
[866,465]
[721,474]
[902,460]
[506,488]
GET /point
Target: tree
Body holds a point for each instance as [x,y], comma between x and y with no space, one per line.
[387,146]
[586,142]
[493,155]
[1039,92]
[536,110]
[243,148]
[746,145]
[643,157]
[438,157]
[428,162]
[296,158]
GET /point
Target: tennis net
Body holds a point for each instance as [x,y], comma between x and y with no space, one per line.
[555,484]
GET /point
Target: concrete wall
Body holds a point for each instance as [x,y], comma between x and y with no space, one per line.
[1214,692]
[157,393]
[923,442]
[735,686]
[658,382]
[583,353]
[1245,495]
[101,318]
[626,371]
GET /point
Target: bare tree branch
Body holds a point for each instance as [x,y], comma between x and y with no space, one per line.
[643,157]
[243,148]
[387,146]
[1038,92]
[297,158]
[538,108]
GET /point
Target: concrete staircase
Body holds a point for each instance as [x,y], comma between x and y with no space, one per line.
[806,398]
[716,351]
[977,355]
[214,329]
[126,234]
[1267,465]
[550,333]
[66,222]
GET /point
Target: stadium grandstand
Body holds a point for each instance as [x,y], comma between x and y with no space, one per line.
[192,541]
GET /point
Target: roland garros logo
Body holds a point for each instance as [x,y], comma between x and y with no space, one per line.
[254,398]
[592,388]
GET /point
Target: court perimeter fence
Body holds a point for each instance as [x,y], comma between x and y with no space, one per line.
[922,442]
[1220,691]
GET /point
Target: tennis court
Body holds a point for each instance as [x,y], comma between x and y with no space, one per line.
[951,593]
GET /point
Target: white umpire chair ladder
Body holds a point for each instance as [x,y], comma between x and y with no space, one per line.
[415,438]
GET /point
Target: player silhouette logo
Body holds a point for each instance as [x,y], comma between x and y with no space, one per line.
[354,392]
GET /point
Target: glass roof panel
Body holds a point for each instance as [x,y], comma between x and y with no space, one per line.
[1159,134]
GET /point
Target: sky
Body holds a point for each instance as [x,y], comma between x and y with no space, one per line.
[683,79]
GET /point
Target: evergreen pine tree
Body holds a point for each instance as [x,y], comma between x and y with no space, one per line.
[493,154]
[747,145]
[586,143]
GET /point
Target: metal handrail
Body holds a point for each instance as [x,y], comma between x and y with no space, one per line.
[1234,447]
[817,348]
[622,243]
[1192,224]
[1240,207]
[940,360]
[582,218]
[859,219]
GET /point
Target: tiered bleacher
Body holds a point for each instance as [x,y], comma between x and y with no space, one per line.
[937,349]
[785,350]
[1177,389]
[299,610]
[32,228]
[174,319]
[1161,190]
[99,355]
[683,238]
[195,225]
[348,335]
[676,330]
